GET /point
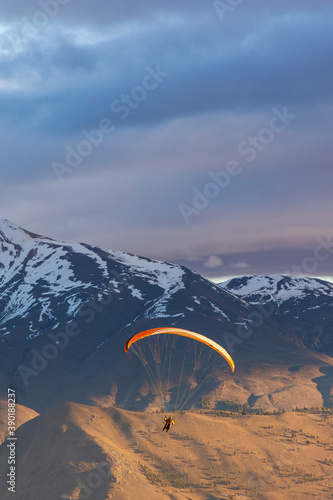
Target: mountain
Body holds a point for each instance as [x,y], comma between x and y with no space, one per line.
[68,308]
[67,305]
[302,305]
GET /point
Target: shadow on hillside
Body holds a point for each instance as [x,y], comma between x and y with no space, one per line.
[325,386]
[252,399]
[295,368]
[177,398]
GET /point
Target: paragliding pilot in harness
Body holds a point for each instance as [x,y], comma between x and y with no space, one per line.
[168,422]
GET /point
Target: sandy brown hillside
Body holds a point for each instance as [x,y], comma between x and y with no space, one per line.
[109,453]
[22,414]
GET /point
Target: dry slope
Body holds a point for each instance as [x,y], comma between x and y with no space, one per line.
[77,451]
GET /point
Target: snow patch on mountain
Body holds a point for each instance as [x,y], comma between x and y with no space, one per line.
[218,310]
[135,292]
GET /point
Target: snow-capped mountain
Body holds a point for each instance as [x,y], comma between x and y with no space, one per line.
[66,310]
[46,284]
[301,304]
[55,279]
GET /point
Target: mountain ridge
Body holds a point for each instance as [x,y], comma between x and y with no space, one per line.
[304,305]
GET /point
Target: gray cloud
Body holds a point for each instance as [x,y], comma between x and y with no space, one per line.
[285,63]
[222,82]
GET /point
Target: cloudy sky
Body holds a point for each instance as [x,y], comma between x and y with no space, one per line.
[197,132]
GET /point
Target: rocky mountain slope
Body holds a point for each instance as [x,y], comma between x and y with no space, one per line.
[302,305]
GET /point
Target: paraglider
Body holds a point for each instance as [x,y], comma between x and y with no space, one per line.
[168,422]
[176,375]
[183,333]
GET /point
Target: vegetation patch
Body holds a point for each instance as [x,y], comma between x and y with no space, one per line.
[167,476]
[231,408]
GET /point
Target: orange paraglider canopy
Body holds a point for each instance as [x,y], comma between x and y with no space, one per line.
[183,333]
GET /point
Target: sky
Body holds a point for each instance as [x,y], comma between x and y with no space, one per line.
[198,132]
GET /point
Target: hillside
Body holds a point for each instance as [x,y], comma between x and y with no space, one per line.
[109,453]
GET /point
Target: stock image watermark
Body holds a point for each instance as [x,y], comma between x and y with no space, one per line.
[30,26]
[249,149]
[11,440]
[121,108]
[225,7]
[321,253]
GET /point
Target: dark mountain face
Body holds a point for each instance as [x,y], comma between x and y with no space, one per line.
[67,310]
[302,305]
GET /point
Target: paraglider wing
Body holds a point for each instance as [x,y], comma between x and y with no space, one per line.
[184,333]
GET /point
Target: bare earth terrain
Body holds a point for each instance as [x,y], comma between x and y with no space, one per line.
[78,451]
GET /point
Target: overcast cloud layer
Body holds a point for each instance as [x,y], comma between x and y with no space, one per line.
[195,132]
